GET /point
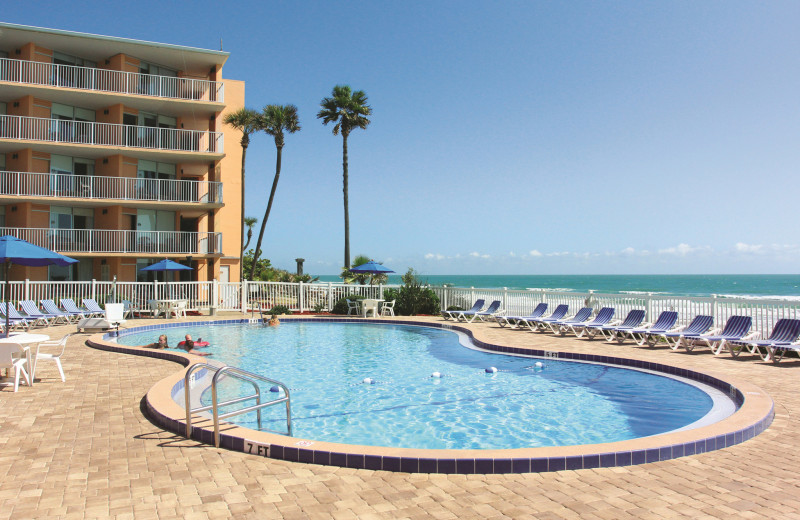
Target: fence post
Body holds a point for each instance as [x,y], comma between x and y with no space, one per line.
[27,289]
[505,298]
[213,302]
[445,297]
[714,308]
[243,296]
[380,291]
[472,294]
[330,296]
[301,297]
[649,306]
[94,289]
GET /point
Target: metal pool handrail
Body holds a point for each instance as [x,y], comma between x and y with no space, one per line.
[215,405]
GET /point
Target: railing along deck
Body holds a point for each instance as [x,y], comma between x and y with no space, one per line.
[115,81]
[22,184]
[109,134]
[120,241]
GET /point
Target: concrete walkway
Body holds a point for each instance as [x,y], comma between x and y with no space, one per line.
[83,449]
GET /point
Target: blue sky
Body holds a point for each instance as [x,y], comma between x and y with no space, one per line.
[512,137]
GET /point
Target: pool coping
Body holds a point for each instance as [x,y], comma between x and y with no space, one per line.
[755,414]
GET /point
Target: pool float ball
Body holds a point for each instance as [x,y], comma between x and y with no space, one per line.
[274,389]
[436,374]
[368,381]
[491,370]
[538,364]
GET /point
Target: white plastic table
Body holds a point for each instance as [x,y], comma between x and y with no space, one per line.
[26,339]
[369,304]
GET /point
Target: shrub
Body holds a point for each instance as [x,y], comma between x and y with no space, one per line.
[341,306]
[455,308]
[413,298]
[318,307]
[279,309]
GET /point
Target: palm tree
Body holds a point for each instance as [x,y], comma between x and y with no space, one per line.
[275,120]
[247,121]
[348,110]
[249,222]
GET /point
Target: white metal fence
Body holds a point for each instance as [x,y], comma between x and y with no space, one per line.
[248,297]
[28,184]
[103,80]
[120,241]
[109,134]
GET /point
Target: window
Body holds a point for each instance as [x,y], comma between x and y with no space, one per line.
[155,80]
[2,216]
[63,170]
[67,74]
[71,227]
[72,124]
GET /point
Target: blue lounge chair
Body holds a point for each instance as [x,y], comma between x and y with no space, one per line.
[537,323]
[469,316]
[665,323]
[32,313]
[94,309]
[491,312]
[51,308]
[632,320]
[699,325]
[513,321]
[736,328]
[562,326]
[604,316]
[784,334]
[15,319]
[69,305]
[478,305]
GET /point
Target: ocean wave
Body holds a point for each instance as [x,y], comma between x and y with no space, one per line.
[551,289]
[643,292]
[783,298]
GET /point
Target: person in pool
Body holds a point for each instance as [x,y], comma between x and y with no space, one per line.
[160,344]
[188,345]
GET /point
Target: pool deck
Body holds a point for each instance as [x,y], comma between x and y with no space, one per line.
[84,449]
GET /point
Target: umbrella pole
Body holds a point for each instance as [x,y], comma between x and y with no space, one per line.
[7,291]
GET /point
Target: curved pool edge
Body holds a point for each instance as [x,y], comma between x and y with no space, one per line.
[755,414]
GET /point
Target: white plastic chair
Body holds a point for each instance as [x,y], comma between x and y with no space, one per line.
[154,307]
[178,309]
[353,306]
[14,356]
[387,308]
[115,314]
[53,356]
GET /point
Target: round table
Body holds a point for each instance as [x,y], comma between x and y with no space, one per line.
[27,339]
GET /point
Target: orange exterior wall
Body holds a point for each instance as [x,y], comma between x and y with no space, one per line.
[228,220]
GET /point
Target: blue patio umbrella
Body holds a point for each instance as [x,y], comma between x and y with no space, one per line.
[14,250]
[166,265]
[371,267]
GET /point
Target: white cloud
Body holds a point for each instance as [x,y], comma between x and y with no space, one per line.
[535,252]
[431,256]
[475,254]
[748,248]
[628,251]
[561,253]
[679,250]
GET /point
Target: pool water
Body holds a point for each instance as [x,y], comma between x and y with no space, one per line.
[521,405]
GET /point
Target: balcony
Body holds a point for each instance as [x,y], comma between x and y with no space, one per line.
[108,134]
[113,81]
[105,241]
[57,185]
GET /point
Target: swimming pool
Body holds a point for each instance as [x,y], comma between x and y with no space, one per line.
[559,403]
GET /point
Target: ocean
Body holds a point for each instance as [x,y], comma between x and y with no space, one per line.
[778,286]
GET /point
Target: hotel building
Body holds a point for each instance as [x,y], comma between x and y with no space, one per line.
[113,152]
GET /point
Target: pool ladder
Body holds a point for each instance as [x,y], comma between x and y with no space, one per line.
[242,375]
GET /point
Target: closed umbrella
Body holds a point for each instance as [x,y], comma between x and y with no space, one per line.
[14,250]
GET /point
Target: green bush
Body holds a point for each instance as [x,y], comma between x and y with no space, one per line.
[455,308]
[412,298]
[341,306]
[278,310]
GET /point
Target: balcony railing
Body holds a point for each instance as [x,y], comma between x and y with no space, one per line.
[26,184]
[102,80]
[108,134]
[120,241]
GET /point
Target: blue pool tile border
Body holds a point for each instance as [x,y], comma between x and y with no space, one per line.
[456,465]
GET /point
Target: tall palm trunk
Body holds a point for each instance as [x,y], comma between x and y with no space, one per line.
[245,144]
[269,208]
[346,211]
